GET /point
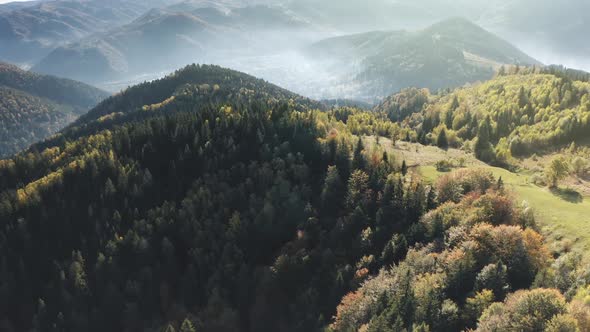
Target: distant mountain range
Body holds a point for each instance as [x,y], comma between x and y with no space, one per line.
[29,31]
[116,43]
[364,66]
[164,38]
[33,106]
[447,54]
[553,31]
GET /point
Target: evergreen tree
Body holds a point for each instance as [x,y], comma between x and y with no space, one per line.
[169,328]
[333,191]
[442,141]
[500,184]
[483,148]
[450,112]
[358,159]
[404,168]
[187,326]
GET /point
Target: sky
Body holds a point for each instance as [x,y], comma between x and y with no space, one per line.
[7,1]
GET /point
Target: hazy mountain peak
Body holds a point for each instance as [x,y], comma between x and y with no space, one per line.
[456,22]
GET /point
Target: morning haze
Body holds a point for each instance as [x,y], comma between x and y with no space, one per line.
[294,166]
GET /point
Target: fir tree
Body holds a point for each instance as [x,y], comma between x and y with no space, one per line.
[442,141]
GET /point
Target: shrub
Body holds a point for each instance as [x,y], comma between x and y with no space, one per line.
[580,166]
[524,311]
[538,180]
[444,166]
[452,187]
[562,323]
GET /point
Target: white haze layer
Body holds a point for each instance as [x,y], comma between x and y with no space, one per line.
[283,62]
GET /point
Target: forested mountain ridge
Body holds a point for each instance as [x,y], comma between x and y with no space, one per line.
[30,31]
[235,205]
[445,55]
[35,106]
[520,112]
[25,119]
[553,33]
[60,90]
[168,37]
[201,84]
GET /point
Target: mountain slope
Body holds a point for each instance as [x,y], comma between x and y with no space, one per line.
[139,187]
[202,84]
[518,113]
[235,206]
[552,32]
[189,212]
[166,38]
[447,54]
[29,32]
[35,106]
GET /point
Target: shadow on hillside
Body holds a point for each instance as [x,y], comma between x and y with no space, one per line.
[568,194]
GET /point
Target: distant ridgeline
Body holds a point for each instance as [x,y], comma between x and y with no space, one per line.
[520,112]
[33,106]
[213,201]
[445,55]
[168,37]
[32,29]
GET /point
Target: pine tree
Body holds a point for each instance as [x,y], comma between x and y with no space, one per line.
[450,113]
[187,326]
[332,193]
[358,159]
[404,168]
[342,160]
[442,141]
[169,328]
[500,184]
[431,199]
[483,148]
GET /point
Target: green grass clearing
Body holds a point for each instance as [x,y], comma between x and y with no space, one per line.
[558,218]
[561,218]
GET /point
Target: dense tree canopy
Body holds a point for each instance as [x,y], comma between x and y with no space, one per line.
[212,201]
[33,107]
[520,112]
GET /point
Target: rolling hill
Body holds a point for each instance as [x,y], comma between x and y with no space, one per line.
[447,54]
[519,113]
[33,106]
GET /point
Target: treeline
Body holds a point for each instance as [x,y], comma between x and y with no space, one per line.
[522,111]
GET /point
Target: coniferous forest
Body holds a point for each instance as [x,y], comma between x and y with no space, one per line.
[364,166]
[235,205]
[33,106]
